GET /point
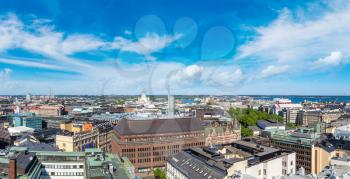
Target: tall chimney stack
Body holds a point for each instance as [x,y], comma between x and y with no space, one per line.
[171,106]
[12,169]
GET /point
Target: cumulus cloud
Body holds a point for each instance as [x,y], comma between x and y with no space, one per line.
[9,27]
[185,76]
[273,70]
[224,76]
[332,60]
[290,40]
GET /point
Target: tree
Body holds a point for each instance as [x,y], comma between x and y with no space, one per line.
[291,125]
[246,132]
[249,117]
[159,174]
[277,117]
[120,102]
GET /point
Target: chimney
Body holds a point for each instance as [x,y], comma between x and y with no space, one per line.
[171,106]
[12,169]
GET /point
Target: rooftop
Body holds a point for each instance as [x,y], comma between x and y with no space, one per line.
[217,161]
[157,126]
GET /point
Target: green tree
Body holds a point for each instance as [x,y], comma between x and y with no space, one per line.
[159,174]
[246,132]
[120,102]
[291,125]
[249,117]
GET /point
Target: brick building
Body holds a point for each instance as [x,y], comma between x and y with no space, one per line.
[147,143]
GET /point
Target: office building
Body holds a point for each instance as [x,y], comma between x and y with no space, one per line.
[148,142]
[293,115]
[98,137]
[92,164]
[302,141]
[27,120]
[236,160]
[310,117]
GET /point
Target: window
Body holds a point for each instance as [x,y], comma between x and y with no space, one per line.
[259,172]
[291,163]
[264,171]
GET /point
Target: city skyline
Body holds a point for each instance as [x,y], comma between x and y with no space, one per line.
[223,47]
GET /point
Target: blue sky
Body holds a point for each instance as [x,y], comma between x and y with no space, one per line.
[181,47]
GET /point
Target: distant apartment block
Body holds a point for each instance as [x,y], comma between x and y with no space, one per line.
[28,120]
[47,110]
[98,137]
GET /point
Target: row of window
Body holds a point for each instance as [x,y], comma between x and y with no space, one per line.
[146,149]
[62,166]
[63,174]
[285,163]
[154,138]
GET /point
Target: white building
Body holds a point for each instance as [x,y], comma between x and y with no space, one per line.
[60,165]
[143,99]
[240,159]
[342,132]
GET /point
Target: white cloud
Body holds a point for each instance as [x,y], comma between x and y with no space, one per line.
[30,64]
[223,75]
[80,43]
[186,76]
[10,26]
[332,60]
[146,45]
[5,73]
[127,32]
[42,39]
[292,41]
[273,70]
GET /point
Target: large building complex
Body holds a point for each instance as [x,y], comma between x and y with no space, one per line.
[302,142]
[28,120]
[47,110]
[90,164]
[147,143]
[231,161]
[217,133]
[98,137]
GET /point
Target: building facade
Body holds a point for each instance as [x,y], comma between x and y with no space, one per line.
[240,159]
[303,142]
[98,137]
[218,133]
[92,163]
[28,120]
[147,143]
